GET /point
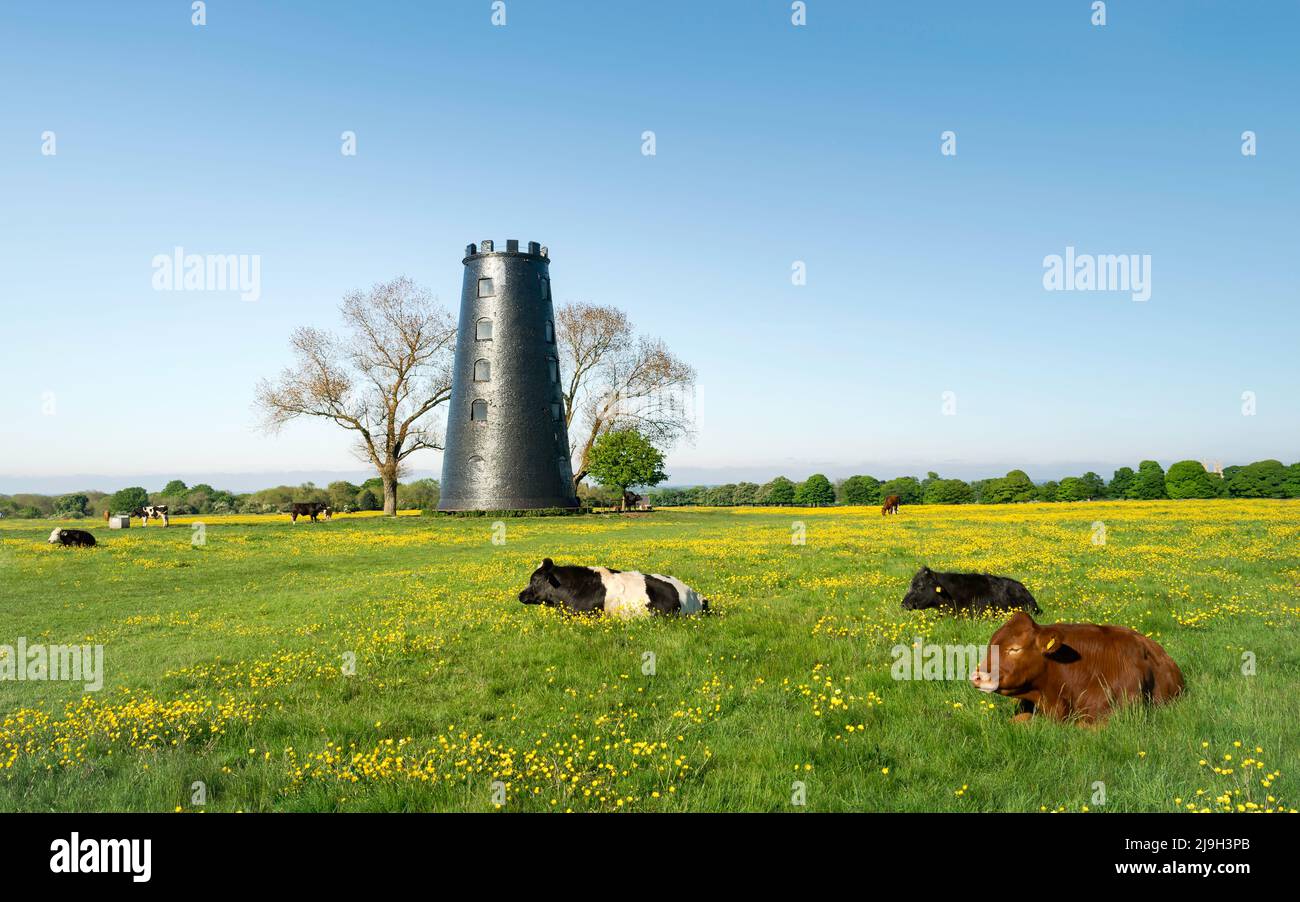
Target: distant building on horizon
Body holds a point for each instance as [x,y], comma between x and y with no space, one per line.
[507,445]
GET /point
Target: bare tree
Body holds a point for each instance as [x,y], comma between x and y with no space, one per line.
[618,380]
[380,380]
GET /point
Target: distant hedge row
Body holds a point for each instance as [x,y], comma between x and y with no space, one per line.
[1150,481]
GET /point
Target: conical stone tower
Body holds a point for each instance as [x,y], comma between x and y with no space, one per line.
[507,446]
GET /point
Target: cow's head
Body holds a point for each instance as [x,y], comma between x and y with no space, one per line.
[543,586]
[56,536]
[1017,655]
[925,591]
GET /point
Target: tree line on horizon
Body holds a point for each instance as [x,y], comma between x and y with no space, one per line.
[1149,482]
[342,496]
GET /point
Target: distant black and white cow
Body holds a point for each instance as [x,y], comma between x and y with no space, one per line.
[311,509]
[77,538]
[152,512]
[623,594]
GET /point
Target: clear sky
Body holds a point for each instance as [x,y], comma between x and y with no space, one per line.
[774,144]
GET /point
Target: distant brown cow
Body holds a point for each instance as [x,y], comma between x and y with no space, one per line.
[891,505]
[1075,670]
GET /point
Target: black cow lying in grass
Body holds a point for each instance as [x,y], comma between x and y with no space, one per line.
[974,592]
[311,509]
[77,538]
[591,590]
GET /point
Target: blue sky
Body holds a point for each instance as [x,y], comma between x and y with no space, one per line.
[775,144]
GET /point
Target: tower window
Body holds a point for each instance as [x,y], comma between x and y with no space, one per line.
[557,411]
[550,332]
[546,289]
[553,367]
[482,371]
[485,289]
[483,330]
[478,411]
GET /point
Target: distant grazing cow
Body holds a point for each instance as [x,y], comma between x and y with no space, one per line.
[311,509]
[78,538]
[1075,670]
[152,512]
[590,590]
[967,592]
[891,505]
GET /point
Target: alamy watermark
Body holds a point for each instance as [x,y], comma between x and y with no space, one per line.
[180,271]
[38,663]
[931,661]
[1098,272]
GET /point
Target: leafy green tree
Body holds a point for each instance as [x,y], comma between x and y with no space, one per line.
[1262,479]
[1149,484]
[175,489]
[746,492]
[421,494]
[1122,483]
[722,495]
[73,505]
[1096,485]
[907,488]
[779,491]
[342,495]
[815,491]
[128,500]
[1013,488]
[1188,479]
[1049,491]
[948,491]
[860,490]
[624,458]
[367,501]
[1291,482]
[1073,488]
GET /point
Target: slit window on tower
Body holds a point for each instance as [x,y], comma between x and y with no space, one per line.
[485,289]
[550,332]
[557,411]
[546,289]
[478,411]
[483,329]
[482,371]
[553,367]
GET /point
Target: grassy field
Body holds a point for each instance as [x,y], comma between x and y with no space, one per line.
[226,664]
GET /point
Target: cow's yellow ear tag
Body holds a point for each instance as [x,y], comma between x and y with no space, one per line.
[938,588]
[1050,643]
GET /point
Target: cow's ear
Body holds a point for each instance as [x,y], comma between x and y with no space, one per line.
[547,563]
[1050,640]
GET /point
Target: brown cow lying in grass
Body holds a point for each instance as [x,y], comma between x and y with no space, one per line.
[1075,670]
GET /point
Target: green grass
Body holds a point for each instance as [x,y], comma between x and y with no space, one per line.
[225,661]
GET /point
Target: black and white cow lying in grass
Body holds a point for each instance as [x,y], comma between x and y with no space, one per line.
[76,537]
[624,594]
